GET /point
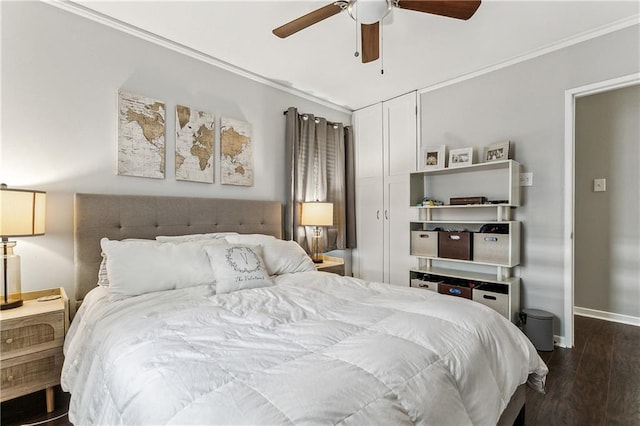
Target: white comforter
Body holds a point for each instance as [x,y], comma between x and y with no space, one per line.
[314,348]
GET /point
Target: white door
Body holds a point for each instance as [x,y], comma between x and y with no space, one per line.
[370,214]
[397,215]
[400,144]
[400,137]
[368,256]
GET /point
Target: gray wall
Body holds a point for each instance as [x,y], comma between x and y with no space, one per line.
[607,224]
[524,103]
[60,77]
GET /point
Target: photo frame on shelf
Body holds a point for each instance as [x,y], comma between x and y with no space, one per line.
[433,157]
[497,152]
[461,157]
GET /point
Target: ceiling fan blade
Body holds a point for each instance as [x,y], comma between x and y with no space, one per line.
[309,19]
[459,9]
[370,42]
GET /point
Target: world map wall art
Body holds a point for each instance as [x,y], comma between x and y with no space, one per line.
[141,136]
[195,138]
[236,152]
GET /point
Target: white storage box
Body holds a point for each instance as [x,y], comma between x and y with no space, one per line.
[425,285]
[424,243]
[493,297]
[491,248]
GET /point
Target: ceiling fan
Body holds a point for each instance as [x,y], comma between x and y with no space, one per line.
[369,13]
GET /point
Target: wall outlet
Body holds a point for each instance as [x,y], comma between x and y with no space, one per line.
[599,185]
[526,179]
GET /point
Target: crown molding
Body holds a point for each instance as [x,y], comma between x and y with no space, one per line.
[116,24]
[552,47]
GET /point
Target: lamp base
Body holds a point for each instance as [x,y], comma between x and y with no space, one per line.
[11,305]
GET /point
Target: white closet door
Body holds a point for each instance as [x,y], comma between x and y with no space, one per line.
[400,119]
[368,134]
[370,216]
[398,260]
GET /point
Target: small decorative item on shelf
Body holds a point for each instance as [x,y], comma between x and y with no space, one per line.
[429,202]
[463,201]
[433,157]
[498,152]
[461,157]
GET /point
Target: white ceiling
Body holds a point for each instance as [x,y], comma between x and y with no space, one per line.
[419,50]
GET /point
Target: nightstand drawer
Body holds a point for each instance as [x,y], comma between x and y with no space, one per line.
[30,373]
[26,335]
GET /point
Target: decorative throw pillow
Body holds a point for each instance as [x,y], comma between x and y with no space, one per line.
[237,267]
[285,257]
[193,237]
[138,267]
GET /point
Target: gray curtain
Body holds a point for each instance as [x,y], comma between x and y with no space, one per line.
[321,168]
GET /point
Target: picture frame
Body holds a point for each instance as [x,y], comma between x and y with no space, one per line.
[433,157]
[461,157]
[497,152]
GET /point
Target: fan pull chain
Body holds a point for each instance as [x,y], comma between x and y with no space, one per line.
[381,47]
[356,53]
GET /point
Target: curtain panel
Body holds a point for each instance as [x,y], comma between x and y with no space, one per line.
[320,161]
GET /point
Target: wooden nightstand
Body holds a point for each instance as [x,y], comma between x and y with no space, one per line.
[31,345]
[331,264]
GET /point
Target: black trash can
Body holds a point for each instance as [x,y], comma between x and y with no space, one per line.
[538,326]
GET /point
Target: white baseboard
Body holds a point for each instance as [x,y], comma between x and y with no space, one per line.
[607,316]
[560,341]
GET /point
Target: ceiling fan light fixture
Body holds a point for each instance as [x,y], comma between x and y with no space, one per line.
[369,11]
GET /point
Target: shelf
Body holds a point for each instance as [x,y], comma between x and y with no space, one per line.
[470,222]
[464,206]
[466,275]
[493,165]
[473,262]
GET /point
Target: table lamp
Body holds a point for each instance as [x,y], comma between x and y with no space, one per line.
[22,214]
[316,214]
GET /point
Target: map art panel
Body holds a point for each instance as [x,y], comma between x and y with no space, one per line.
[195,138]
[141,136]
[236,152]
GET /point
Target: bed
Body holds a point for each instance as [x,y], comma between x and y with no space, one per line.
[304,347]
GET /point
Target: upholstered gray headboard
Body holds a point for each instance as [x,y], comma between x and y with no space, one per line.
[139,216]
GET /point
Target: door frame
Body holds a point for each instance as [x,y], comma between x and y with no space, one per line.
[569,183]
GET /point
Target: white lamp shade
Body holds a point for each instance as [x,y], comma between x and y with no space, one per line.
[22,212]
[317,214]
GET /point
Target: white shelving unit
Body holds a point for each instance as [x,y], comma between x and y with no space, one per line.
[499,182]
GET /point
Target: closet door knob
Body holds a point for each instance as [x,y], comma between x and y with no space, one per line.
[386,214]
[378,214]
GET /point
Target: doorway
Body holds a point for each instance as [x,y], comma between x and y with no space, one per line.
[571,96]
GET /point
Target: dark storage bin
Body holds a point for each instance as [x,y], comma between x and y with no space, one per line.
[455,245]
[538,326]
[460,290]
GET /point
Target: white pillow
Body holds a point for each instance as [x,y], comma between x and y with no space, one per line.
[250,239]
[138,267]
[103,277]
[193,237]
[237,267]
[285,257]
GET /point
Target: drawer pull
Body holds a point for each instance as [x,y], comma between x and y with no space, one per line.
[454,237]
[10,378]
[9,340]
[423,285]
[486,296]
[424,235]
[491,239]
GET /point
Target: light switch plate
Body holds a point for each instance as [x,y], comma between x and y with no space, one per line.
[599,185]
[526,179]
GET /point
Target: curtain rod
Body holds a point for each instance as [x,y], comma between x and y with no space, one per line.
[329,122]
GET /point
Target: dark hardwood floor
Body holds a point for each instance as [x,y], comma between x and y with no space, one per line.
[597,383]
